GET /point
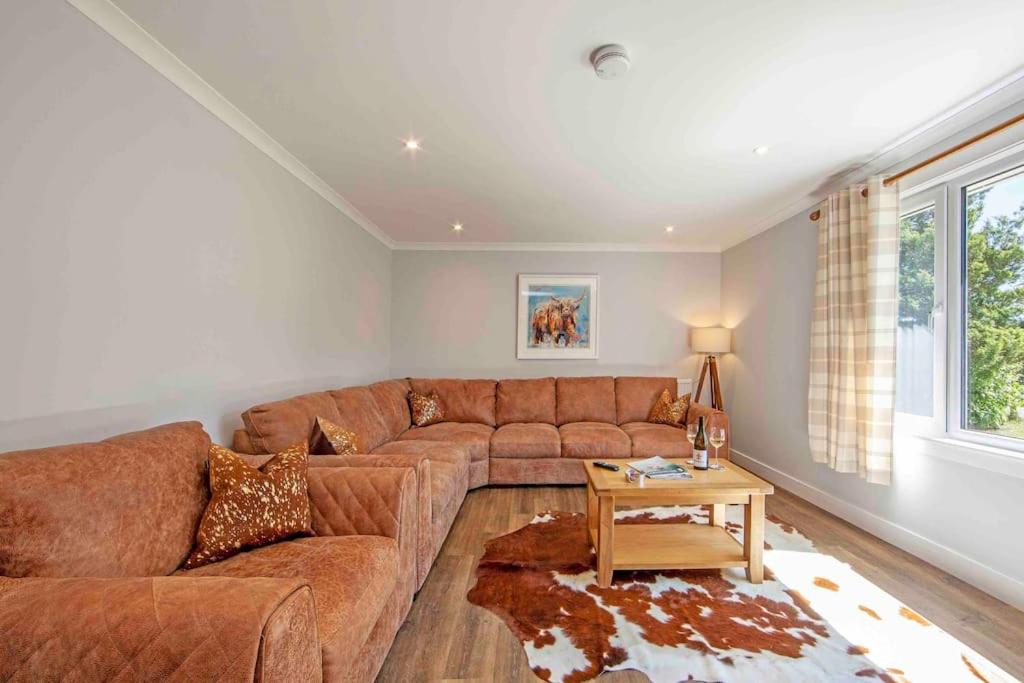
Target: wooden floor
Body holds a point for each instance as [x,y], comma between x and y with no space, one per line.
[447,639]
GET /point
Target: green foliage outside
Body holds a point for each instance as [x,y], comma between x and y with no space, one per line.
[995,315]
[995,306]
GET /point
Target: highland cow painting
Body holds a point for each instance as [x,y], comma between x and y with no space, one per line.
[557,316]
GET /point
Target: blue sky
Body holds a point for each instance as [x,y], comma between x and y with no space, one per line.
[1005,197]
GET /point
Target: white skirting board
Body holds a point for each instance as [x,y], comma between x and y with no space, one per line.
[993,582]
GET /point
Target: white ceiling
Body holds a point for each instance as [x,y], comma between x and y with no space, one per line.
[522,143]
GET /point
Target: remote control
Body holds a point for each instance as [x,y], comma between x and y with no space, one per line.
[606,466]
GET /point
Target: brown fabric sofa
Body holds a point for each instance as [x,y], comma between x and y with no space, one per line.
[512,431]
[92,536]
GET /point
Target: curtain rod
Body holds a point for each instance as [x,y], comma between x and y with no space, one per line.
[895,178]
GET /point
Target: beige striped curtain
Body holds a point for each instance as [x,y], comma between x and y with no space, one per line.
[853,336]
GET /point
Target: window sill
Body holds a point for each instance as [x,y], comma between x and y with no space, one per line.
[991,458]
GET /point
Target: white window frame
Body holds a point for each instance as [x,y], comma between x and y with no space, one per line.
[935,425]
[955,286]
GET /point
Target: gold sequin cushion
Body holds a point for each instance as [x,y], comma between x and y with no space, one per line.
[426,410]
[252,507]
[669,412]
[331,439]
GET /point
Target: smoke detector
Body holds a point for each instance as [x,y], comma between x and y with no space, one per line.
[610,62]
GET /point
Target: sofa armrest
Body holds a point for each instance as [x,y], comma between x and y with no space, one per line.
[367,501]
[420,464]
[199,628]
[712,418]
[417,461]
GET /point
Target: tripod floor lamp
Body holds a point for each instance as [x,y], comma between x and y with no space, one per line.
[711,341]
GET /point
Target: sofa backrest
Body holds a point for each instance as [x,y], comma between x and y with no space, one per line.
[126,506]
[277,425]
[585,399]
[526,400]
[635,396]
[392,399]
[377,413]
[463,400]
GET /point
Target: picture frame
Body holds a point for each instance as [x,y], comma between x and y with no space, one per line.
[558,317]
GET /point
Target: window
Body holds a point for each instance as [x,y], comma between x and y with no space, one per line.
[992,236]
[915,333]
[962,242]
[921,329]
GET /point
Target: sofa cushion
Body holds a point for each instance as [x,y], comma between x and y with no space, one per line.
[655,439]
[425,410]
[275,426]
[667,411]
[476,438]
[635,396]
[332,439]
[126,506]
[391,397]
[252,507]
[463,400]
[352,578]
[526,440]
[585,399]
[526,400]
[358,411]
[594,440]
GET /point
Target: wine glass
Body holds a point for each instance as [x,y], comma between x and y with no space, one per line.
[717,439]
[691,436]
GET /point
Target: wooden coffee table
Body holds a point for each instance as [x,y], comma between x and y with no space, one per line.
[676,546]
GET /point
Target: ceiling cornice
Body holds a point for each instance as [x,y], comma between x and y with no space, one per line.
[622,247]
[123,28]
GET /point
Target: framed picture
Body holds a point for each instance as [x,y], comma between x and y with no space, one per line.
[558,316]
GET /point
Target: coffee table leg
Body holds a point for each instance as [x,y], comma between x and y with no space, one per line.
[718,514]
[605,533]
[753,538]
[592,516]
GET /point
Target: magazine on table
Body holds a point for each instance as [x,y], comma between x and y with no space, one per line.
[659,468]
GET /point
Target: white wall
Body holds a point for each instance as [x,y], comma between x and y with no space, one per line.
[155,265]
[454,313]
[962,517]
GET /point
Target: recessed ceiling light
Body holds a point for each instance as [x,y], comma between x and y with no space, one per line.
[760,150]
[670,228]
[456,227]
[412,144]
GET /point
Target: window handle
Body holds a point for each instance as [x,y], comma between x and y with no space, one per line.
[937,312]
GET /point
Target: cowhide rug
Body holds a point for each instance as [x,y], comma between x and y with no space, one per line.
[813,618]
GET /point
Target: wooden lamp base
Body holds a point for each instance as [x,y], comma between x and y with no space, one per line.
[715,386]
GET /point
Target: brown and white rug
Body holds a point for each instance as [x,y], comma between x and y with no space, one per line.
[813,618]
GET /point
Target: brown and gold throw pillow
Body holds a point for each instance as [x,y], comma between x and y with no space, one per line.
[252,507]
[331,439]
[426,410]
[669,412]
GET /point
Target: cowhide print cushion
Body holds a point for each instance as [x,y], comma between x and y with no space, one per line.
[813,618]
[251,507]
[331,439]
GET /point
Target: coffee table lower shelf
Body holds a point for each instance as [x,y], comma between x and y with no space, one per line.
[673,546]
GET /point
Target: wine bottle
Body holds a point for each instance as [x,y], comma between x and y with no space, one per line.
[700,447]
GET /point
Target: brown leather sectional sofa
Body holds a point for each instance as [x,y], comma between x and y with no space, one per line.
[92,535]
[512,431]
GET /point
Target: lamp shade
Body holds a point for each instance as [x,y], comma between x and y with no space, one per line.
[711,340]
